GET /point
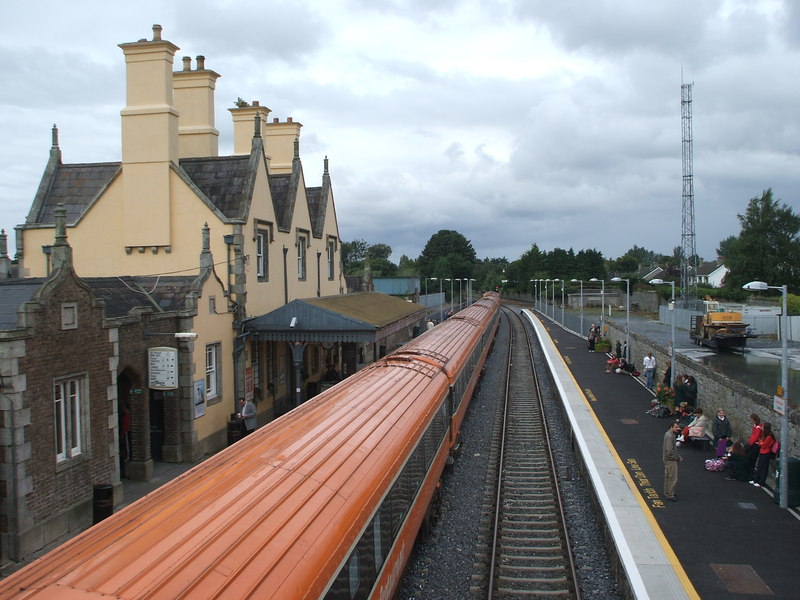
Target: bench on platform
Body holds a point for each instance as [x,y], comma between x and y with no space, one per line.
[702,440]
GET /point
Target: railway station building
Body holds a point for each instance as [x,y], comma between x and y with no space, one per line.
[172,249]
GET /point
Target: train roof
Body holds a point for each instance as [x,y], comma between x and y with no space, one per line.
[250,520]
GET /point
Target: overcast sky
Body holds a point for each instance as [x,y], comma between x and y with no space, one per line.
[513,122]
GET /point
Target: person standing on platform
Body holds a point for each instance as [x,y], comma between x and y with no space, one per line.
[721,430]
[751,447]
[429,324]
[248,416]
[671,459]
[764,455]
[649,368]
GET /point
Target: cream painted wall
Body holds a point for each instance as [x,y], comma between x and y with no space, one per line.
[214,328]
[99,249]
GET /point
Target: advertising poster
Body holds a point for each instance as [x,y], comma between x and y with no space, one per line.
[199,398]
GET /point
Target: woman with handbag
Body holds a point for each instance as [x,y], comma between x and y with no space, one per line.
[696,427]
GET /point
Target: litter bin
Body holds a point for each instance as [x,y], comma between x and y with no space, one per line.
[234,431]
[103,502]
[793,497]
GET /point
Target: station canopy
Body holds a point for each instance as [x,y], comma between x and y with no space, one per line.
[359,317]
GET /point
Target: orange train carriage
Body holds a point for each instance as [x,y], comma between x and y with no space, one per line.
[324,502]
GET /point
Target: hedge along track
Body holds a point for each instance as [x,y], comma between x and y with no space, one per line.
[527,554]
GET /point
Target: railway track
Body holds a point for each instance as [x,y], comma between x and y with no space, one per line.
[527,553]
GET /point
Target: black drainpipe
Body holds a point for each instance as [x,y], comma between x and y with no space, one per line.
[285,277]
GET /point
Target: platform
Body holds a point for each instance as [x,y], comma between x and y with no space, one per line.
[721,540]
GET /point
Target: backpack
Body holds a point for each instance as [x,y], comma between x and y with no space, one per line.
[776,446]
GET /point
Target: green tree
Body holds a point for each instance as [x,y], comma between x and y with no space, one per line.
[381,267]
[379,251]
[406,267]
[768,246]
[353,255]
[588,264]
[447,254]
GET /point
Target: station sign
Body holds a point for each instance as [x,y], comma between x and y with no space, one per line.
[162,368]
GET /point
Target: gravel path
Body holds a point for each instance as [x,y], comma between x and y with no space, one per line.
[441,566]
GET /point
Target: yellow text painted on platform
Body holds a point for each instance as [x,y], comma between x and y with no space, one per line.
[590,395]
[643,483]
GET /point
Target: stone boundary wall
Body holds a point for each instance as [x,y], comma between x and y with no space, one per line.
[714,390]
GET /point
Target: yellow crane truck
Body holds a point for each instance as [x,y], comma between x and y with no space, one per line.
[719,329]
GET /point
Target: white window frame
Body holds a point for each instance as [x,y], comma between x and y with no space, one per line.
[302,255]
[331,258]
[212,371]
[69,417]
[262,254]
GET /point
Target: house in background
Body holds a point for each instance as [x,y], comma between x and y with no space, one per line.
[711,274]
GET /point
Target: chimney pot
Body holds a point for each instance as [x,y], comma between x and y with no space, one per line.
[276,120]
[256,103]
[201,62]
[156,33]
[288,119]
[187,63]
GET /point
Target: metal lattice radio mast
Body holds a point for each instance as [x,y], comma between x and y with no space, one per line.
[688,247]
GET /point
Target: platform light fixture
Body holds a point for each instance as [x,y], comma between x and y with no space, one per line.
[602,304]
[581,282]
[672,329]
[628,319]
[783,391]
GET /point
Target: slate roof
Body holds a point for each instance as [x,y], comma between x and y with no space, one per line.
[13,294]
[123,294]
[76,186]
[225,180]
[361,317]
[279,187]
[316,210]
[707,268]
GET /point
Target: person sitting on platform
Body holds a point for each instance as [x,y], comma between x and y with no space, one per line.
[612,364]
[736,464]
[684,414]
[696,427]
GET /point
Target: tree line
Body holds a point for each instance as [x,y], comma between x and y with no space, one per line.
[767,249]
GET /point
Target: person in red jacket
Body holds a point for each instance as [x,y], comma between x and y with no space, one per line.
[764,455]
[751,447]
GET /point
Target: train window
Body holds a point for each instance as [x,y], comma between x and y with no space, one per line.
[354,574]
[378,546]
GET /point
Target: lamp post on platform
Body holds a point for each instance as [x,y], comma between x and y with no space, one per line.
[562,302]
[672,328]
[554,299]
[440,296]
[546,299]
[469,290]
[783,390]
[581,282]
[602,304]
[628,318]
